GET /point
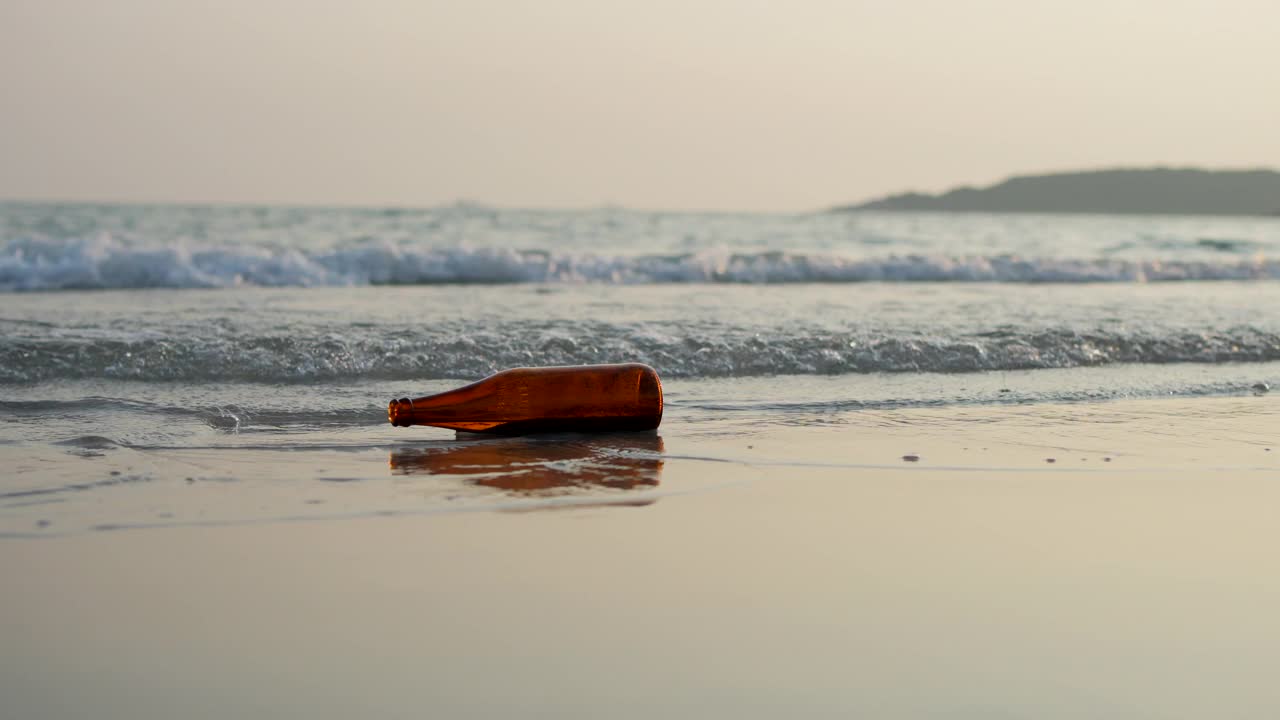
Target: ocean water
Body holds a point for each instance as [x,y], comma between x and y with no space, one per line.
[221,365]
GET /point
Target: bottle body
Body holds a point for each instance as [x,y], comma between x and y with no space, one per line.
[584,398]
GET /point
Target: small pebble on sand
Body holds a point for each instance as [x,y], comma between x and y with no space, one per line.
[1051,460]
[911,458]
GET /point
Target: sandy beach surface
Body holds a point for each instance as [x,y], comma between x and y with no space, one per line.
[808,571]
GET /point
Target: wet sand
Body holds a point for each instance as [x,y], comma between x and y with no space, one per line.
[814,573]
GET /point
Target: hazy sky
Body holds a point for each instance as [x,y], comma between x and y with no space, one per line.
[656,103]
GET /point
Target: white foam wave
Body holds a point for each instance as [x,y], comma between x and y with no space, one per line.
[439,353]
[104,261]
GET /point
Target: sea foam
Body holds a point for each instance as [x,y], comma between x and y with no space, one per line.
[428,353]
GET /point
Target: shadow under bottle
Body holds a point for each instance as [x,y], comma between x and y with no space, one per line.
[544,465]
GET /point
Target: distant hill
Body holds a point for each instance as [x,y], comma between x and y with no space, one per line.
[1141,191]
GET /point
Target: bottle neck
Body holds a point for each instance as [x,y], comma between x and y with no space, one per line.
[400,412]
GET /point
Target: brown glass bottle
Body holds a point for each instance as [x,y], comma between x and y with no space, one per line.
[580,398]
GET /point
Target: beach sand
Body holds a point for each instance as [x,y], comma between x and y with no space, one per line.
[807,571]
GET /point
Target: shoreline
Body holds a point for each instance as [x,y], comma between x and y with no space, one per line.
[91,483]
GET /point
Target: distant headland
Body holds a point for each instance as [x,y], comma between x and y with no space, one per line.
[1173,191]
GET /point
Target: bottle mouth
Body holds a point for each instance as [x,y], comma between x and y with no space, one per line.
[400,412]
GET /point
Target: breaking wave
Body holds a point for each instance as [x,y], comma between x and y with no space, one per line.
[103,262]
[400,356]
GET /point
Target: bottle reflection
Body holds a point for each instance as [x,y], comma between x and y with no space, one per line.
[540,465]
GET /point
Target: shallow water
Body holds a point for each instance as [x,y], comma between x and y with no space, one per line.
[114,455]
